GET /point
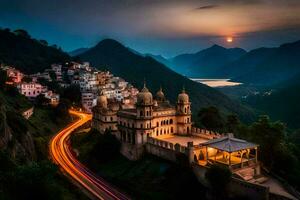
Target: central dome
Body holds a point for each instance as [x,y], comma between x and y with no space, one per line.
[160,96]
[144,97]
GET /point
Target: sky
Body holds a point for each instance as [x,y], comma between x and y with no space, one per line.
[164,27]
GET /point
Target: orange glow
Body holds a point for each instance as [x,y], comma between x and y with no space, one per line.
[229,39]
[62,155]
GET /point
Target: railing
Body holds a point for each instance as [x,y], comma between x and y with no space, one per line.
[206,134]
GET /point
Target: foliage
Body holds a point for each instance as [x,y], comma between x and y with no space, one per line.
[26,54]
[41,100]
[62,109]
[3,78]
[211,119]
[73,94]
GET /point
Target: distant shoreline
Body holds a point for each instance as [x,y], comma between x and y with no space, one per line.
[216,82]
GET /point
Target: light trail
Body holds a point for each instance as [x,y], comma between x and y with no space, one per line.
[62,155]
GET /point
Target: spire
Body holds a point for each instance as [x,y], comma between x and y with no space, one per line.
[145,89]
[144,83]
[183,89]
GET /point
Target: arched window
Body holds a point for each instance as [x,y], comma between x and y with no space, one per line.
[161,123]
[111,118]
[171,121]
[188,120]
[167,122]
[157,124]
[147,113]
[171,129]
[141,113]
[185,110]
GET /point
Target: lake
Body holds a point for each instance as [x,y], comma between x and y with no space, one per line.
[216,82]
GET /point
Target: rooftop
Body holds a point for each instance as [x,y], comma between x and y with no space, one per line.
[229,144]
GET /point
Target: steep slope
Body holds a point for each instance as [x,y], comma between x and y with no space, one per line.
[121,61]
[28,55]
[246,63]
[207,62]
[15,137]
[281,64]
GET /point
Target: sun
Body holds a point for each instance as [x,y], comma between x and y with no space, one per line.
[229,39]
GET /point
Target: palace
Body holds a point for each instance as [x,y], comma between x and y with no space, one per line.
[156,127]
[154,117]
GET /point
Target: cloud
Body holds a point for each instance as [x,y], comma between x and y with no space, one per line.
[207,7]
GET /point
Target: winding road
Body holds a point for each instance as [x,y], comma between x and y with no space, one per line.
[62,155]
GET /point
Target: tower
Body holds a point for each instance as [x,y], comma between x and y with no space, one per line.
[144,109]
[183,112]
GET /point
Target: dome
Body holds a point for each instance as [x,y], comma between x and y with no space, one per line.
[114,106]
[102,101]
[144,97]
[183,97]
[160,96]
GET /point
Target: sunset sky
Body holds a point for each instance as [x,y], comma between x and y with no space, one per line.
[166,27]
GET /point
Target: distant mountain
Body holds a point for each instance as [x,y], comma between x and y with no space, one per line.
[27,54]
[268,66]
[121,61]
[246,63]
[77,51]
[160,59]
[205,63]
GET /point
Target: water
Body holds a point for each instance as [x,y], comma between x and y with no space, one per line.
[216,82]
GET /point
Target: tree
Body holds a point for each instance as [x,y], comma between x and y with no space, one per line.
[210,118]
[41,100]
[270,136]
[3,78]
[62,110]
[107,148]
[26,79]
[22,32]
[232,122]
[73,94]
[52,75]
[44,42]
[218,178]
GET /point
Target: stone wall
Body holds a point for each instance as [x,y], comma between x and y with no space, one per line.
[206,134]
[253,191]
[165,150]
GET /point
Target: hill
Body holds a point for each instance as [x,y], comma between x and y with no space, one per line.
[121,61]
[246,63]
[205,63]
[270,67]
[26,54]
[77,51]
[282,104]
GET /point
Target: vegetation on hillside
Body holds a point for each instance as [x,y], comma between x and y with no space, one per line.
[25,170]
[148,178]
[29,55]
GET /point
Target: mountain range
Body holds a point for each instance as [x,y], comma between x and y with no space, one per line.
[205,63]
[122,61]
[261,66]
